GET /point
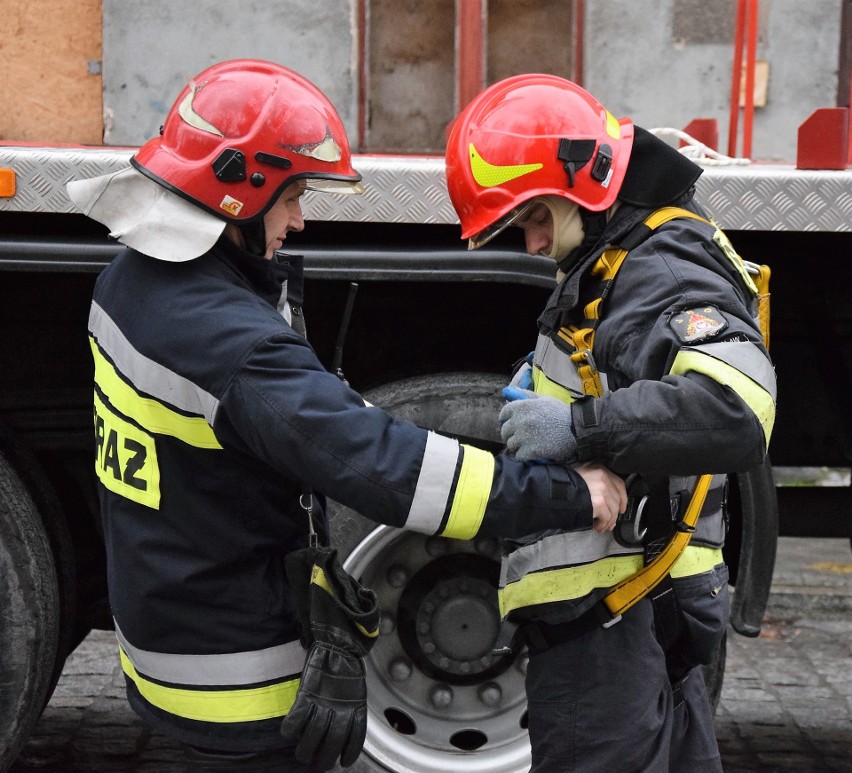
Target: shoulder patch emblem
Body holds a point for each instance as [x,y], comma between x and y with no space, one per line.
[692,325]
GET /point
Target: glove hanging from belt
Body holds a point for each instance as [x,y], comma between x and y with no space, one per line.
[339,622]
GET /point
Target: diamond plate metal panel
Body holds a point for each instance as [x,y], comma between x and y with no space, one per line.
[41,174]
[778,198]
[413,190]
[397,190]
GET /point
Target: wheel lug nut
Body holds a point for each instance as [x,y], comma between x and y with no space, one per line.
[387,624]
[490,694]
[428,648]
[436,546]
[441,696]
[400,669]
[397,576]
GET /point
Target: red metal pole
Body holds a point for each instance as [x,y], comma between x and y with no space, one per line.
[470,50]
[751,55]
[736,75]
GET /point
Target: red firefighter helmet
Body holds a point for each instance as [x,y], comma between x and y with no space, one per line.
[242,131]
[532,135]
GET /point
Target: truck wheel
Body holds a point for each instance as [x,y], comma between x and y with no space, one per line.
[29,614]
[439,700]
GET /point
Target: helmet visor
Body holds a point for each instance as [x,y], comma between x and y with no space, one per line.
[324,185]
[488,233]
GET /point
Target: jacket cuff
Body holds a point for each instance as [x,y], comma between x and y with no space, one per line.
[592,443]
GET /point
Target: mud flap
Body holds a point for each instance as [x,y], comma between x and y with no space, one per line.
[759,504]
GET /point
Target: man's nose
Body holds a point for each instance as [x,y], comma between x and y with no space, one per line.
[537,242]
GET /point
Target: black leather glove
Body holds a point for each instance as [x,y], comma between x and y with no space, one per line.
[339,622]
[329,718]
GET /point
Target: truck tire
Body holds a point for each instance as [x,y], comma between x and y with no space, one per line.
[438,699]
[29,615]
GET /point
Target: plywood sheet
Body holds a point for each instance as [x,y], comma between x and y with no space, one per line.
[50,58]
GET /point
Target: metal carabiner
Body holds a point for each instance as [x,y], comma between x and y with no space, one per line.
[306,502]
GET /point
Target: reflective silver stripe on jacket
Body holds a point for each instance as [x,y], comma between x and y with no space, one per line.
[561,550]
[231,669]
[746,358]
[434,484]
[145,374]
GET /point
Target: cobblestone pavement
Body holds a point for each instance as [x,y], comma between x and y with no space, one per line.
[786,704]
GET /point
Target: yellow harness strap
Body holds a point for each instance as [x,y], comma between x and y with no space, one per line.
[761,281]
[634,588]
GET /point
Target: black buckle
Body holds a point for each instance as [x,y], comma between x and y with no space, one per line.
[230,166]
[603,163]
[575,154]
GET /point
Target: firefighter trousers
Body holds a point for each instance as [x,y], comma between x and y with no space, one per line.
[603,701]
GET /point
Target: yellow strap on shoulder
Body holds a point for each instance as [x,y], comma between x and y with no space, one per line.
[761,281]
[633,589]
[606,267]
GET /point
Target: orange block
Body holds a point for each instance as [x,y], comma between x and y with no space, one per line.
[7,183]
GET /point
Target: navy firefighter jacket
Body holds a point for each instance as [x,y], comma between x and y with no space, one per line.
[686,388]
[212,415]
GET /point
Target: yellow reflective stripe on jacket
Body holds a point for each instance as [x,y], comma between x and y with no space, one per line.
[243,705]
[566,583]
[542,385]
[754,396]
[125,458]
[574,582]
[697,560]
[320,579]
[472,491]
[149,413]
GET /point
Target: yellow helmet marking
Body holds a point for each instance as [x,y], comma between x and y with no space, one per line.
[613,127]
[488,175]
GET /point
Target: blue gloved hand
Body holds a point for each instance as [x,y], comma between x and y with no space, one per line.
[523,377]
[536,427]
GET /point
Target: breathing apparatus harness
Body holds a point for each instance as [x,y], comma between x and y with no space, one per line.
[661,557]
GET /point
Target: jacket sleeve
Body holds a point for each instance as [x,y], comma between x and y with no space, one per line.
[286,409]
[681,401]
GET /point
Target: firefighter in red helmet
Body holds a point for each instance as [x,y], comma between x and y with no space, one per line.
[219,433]
[649,359]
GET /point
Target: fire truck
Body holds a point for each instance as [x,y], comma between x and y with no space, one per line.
[431,336]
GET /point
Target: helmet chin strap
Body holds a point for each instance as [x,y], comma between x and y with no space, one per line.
[254,237]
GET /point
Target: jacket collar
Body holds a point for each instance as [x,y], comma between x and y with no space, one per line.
[263,277]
